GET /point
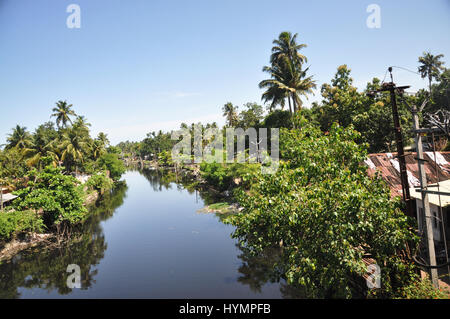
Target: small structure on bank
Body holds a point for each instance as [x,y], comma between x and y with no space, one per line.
[5,197]
[436,170]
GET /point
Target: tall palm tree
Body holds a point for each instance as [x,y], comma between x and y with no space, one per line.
[62,112]
[98,149]
[287,81]
[35,154]
[287,78]
[43,139]
[230,113]
[19,138]
[73,148]
[103,138]
[81,122]
[430,67]
[286,47]
[301,85]
[277,90]
[274,94]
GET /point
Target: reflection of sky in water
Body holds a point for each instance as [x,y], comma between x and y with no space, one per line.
[155,245]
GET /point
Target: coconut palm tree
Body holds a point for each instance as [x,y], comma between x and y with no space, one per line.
[287,81]
[286,47]
[230,113]
[98,149]
[81,122]
[35,154]
[430,67]
[19,138]
[301,85]
[277,90]
[62,112]
[43,138]
[102,137]
[74,146]
[274,94]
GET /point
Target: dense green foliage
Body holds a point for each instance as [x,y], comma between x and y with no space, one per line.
[99,182]
[15,222]
[226,176]
[69,145]
[41,166]
[326,212]
[112,163]
[320,210]
[423,289]
[47,267]
[56,194]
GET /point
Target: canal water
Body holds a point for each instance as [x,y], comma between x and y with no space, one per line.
[146,240]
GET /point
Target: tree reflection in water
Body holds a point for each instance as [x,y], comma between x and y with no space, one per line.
[45,268]
[255,270]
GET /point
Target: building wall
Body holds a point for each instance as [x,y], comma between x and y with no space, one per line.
[435,221]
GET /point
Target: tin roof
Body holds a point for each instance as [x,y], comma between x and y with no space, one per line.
[8,197]
[388,166]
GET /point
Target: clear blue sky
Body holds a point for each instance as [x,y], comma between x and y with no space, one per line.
[137,66]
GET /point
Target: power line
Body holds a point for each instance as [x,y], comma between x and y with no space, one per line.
[406,69]
[384,76]
[400,67]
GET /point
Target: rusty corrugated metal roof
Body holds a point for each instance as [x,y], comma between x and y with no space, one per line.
[388,166]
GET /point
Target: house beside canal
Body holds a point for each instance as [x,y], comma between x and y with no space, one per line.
[437,170]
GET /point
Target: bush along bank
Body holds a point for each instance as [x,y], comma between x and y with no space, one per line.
[49,205]
[326,214]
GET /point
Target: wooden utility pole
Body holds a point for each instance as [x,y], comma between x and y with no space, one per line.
[392,88]
[425,202]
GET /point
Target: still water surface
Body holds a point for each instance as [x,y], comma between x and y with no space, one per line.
[146,240]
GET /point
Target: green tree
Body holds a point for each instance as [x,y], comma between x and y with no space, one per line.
[287,48]
[53,192]
[430,66]
[251,116]
[230,113]
[370,115]
[12,165]
[43,136]
[103,138]
[287,77]
[63,112]
[20,138]
[113,164]
[278,119]
[74,146]
[326,212]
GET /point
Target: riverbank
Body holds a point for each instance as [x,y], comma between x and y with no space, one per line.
[28,239]
[218,179]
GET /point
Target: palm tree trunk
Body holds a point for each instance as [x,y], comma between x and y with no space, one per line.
[289,100]
[429,84]
[293,102]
